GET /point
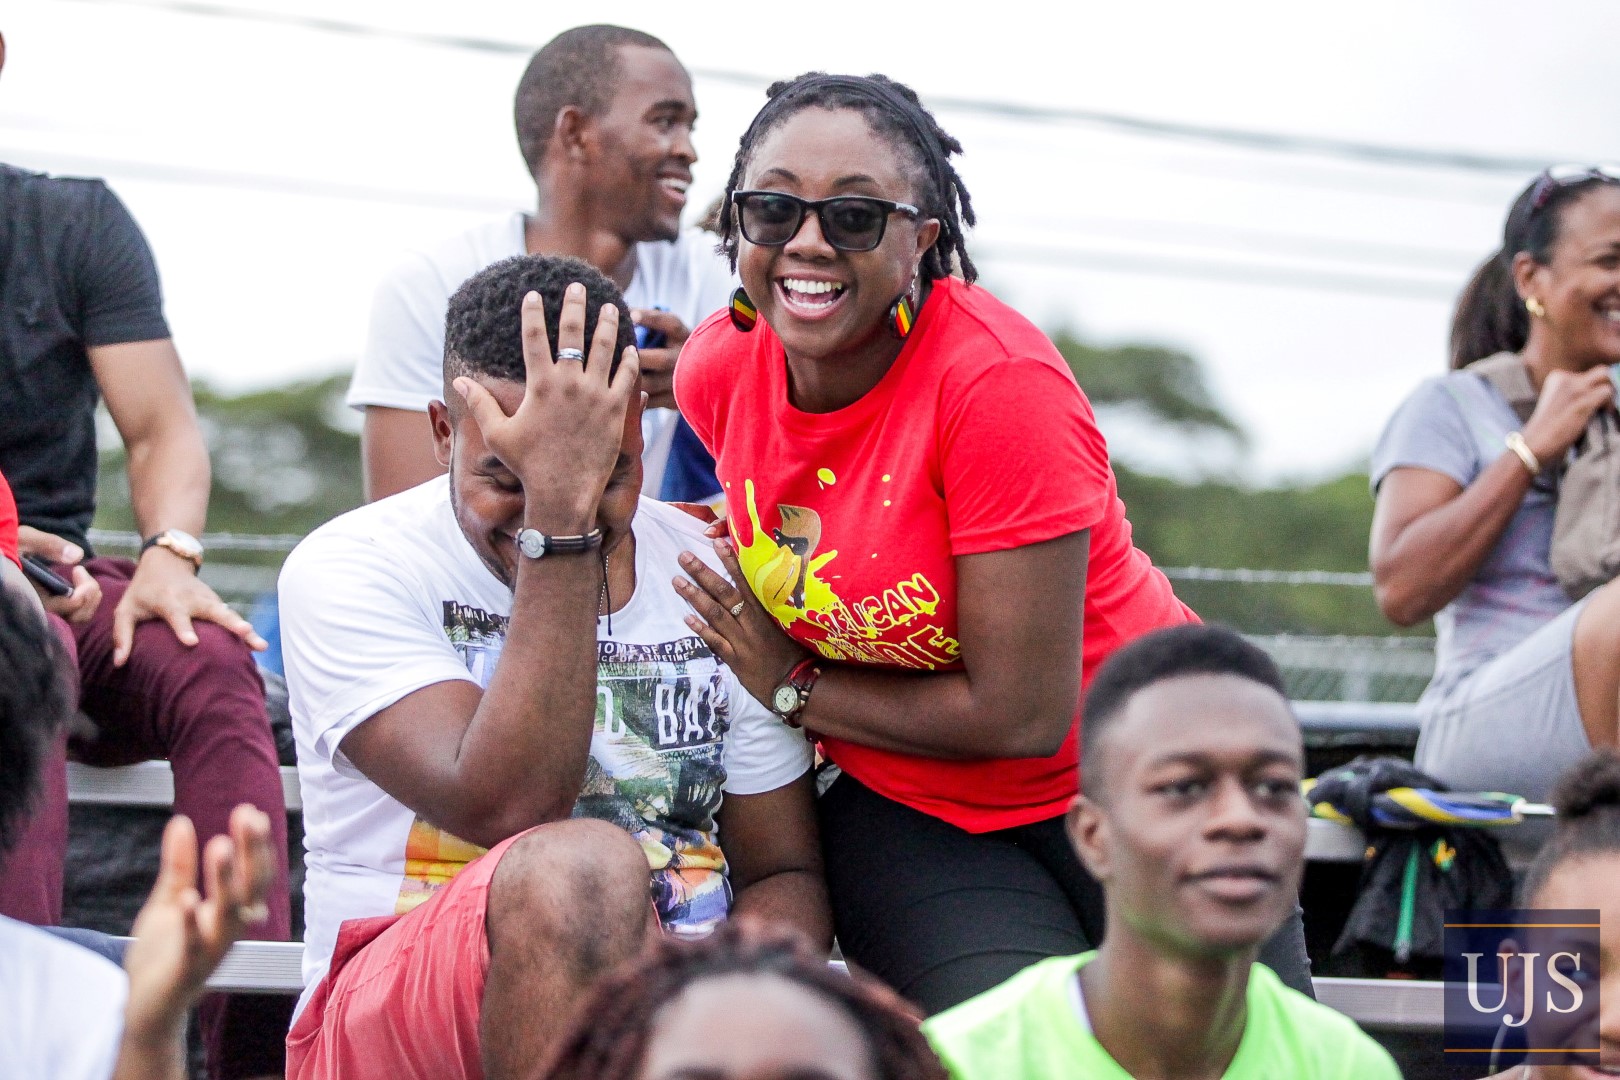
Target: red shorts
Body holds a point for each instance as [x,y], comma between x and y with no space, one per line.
[403,993]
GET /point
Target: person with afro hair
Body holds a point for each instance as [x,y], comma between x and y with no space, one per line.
[1579,869]
[516,757]
[786,1013]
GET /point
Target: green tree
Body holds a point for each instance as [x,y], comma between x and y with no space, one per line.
[1224,524]
[284,460]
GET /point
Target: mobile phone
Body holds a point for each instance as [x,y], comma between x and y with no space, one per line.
[648,338]
[40,573]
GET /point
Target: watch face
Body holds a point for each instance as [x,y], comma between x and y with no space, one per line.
[184,543]
[785,699]
[531,543]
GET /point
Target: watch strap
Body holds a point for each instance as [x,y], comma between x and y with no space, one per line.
[562,545]
[163,540]
[802,678]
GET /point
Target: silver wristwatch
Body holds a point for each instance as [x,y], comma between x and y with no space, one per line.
[537,545]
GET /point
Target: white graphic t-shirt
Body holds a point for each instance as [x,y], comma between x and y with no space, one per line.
[402,364]
[390,598]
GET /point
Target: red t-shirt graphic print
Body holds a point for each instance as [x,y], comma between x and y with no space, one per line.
[847,524]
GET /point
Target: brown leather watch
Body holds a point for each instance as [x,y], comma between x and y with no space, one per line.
[180,543]
[789,699]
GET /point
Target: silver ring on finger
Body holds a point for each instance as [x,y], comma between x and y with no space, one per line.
[571,354]
[736,609]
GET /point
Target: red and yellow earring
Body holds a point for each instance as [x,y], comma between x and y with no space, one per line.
[744,316]
[902,316]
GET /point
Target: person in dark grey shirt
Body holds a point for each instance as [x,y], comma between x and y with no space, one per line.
[165,668]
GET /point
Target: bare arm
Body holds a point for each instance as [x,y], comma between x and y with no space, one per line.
[485,765]
[1019,620]
[488,764]
[1430,535]
[150,401]
[396,451]
[773,850]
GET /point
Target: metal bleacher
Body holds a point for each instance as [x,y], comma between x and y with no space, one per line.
[274,967]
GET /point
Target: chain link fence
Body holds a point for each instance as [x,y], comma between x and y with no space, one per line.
[243,568]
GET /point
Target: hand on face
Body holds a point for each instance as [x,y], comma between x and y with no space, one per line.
[562,441]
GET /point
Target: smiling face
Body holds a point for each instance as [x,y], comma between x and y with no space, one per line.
[774,1029]
[642,166]
[1198,829]
[487,497]
[1579,285]
[820,301]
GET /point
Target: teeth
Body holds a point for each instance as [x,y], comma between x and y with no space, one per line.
[675,185]
[1612,316]
[799,285]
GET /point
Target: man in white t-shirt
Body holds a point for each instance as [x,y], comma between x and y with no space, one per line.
[604,120]
[497,660]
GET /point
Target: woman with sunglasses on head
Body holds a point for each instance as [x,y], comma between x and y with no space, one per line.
[1526,681]
[930,552]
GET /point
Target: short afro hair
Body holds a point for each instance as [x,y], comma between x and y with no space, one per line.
[34,703]
[1191,649]
[578,67]
[1587,799]
[483,327]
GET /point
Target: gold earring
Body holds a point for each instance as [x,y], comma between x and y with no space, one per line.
[1535,308]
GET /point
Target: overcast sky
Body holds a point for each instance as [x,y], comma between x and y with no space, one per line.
[278,169]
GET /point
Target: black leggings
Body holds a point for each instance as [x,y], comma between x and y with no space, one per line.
[942,914]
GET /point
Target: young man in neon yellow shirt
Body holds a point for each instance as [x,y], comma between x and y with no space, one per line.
[1190,816]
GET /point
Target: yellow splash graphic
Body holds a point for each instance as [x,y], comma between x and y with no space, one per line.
[783,569]
[432,858]
[826,477]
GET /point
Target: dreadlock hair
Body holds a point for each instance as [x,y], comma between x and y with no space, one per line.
[578,67]
[1490,316]
[609,1036]
[1587,798]
[897,115]
[33,706]
[483,325]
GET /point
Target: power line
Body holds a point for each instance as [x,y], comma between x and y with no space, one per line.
[1221,237]
[1225,271]
[131,168]
[285,542]
[1269,142]
[1213,237]
[1228,270]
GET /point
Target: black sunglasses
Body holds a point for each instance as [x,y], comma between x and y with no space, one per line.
[848,222]
[1562,176]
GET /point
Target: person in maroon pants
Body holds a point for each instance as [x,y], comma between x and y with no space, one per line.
[165,667]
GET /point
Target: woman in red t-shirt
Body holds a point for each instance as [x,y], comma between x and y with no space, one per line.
[922,506]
